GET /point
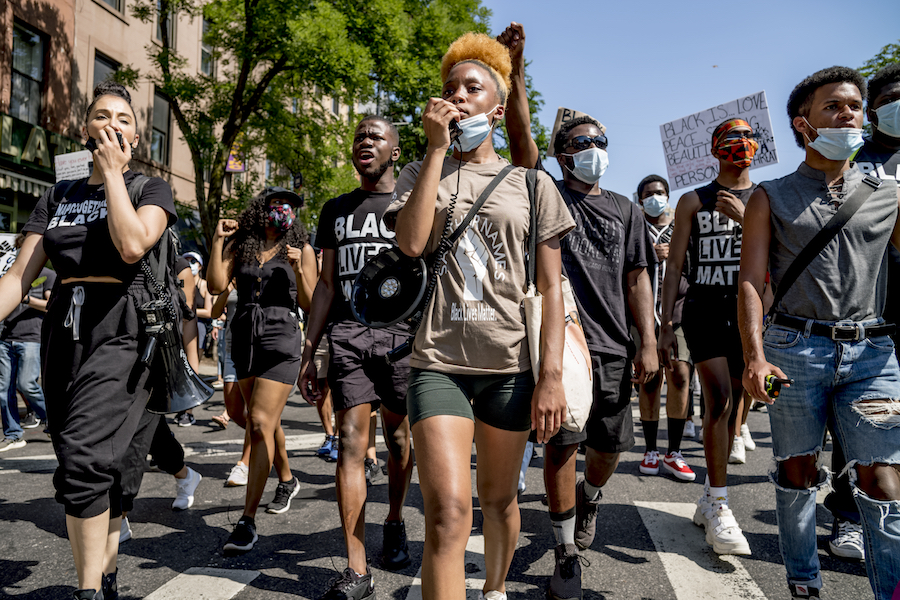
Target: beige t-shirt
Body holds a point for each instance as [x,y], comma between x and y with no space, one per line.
[474,324]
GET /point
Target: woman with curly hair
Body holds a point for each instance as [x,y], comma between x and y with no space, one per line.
[275,271]
[471,375]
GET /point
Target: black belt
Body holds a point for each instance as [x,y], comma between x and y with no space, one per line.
[838,333]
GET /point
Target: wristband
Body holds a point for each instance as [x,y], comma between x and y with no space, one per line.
[26,300]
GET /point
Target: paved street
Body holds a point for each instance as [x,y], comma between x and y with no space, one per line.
[646,546]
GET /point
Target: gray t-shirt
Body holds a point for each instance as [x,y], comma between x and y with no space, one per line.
[848,279]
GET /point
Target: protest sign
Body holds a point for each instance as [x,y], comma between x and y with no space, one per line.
[8,252]
[74,165]
[563,115]
[687,141]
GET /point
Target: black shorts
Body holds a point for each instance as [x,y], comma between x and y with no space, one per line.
[96,389]
[357,371]
[711,328]
[610,427]
[266,343]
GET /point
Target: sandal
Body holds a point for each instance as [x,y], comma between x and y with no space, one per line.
[221,421]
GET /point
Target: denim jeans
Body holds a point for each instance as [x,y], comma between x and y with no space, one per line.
[20,367]
[832,379]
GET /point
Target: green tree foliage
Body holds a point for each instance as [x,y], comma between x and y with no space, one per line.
[889,54]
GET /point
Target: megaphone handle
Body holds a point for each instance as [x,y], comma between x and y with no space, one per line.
[149,349]
[400,352]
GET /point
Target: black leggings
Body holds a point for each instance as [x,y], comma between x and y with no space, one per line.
[154,437]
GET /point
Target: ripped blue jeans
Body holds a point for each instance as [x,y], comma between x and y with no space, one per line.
[833,380]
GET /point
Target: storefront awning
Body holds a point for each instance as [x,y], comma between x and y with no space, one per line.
[21,183]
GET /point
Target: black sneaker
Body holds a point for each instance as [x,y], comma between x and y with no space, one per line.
[110,586]
[394,549]
[30,421]
[243,537]
[585,517]
[284,493]
[566,581]
[46,427]
[185,419]
[804,591]
[373,472]
[88,595]
[350,586]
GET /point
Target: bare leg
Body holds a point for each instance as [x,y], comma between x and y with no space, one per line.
[718,422]
[282,466]
[90,540]
[325,406]
[354,424]
[599,466]
[373,425]
[559,476]
[396,435]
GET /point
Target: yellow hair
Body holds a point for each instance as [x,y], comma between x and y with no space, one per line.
[485,50]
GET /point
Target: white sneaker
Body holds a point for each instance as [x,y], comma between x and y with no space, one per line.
[847,541]
[749,444]
[184,490]
[124,531]
[238,475]
[689,429]
[722,530]
[738,454]
[492,595]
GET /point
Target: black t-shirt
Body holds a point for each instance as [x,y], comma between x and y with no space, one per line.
[715,245]
[76,235]
[884,163]
[24,323]
[352,225]
[597,256]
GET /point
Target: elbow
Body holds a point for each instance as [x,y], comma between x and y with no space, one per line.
[410,248]
[132,255]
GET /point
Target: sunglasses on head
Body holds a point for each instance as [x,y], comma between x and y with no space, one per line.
[583,142]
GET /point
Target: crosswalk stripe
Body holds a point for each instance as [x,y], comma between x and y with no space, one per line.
[204,583]
[693,569]
[475,574]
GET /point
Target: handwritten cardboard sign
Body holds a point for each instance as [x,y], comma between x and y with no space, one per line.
[8,252]
[74,165]
[564,115]
[687,141]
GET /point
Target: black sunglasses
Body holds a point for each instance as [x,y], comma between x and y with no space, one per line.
[583,142]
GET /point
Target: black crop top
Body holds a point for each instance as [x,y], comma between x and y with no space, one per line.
[76,236]
[270,284]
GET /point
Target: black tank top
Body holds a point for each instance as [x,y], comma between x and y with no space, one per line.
[271,284]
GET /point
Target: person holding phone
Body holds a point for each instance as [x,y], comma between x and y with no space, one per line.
[91,337]
[471,375]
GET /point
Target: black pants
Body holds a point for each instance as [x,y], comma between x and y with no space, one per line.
[154,437]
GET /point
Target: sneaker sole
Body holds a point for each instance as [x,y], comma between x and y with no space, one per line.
[699,519]
[232,547]
[749,447]
[679,475]
[553,596]
[648,470]
[278,511]
[735,460]
[14,446]
[841,553]
[740,547]
[231,483]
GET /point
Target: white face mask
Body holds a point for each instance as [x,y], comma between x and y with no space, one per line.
[475,130]
[836,143]
[889,119]
[590,165]
[195,268]
[656,204]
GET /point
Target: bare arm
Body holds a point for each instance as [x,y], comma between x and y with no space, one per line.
[218,308]
[206,311]
[303,261]
[687,208]
[751,282]
[548,402]
[221,261]
[522,148]
[640,301]
[416,219]
[318,318]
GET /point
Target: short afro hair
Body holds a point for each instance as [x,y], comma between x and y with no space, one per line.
[110,88]
[559,142]
[384,120]
[651,179]
[800,100]
[484,51]
[883,78]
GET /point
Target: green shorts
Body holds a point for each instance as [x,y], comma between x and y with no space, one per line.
[501,401]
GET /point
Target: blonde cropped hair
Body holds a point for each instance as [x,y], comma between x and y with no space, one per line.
[483,50]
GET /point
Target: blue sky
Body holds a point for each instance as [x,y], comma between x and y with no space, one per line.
[635,65]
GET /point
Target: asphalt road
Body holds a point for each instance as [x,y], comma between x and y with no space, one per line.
[646,546]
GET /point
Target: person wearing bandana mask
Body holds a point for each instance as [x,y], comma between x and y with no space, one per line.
[606,258]
[710,217]
[827,332]
[266,252]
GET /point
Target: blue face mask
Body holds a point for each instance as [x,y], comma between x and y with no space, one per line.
[474,131]
[836,143]
[656,204]
[589,165]
[889,119]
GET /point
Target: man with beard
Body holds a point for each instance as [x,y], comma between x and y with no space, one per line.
[350,232]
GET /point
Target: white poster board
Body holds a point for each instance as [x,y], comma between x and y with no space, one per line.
[74,165]
[564,115]
[8,251]
[687,141]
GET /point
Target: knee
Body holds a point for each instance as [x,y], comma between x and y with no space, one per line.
[799,473]
[260,426]
[555,457]
[498,506]
[680,377]
[353,440]
[449,521]
[398,440]
[878,481]
[719,405]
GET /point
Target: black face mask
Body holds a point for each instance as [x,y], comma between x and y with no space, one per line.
[91,144]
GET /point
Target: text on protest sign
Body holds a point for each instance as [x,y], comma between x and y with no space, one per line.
[687,141]
[74,165]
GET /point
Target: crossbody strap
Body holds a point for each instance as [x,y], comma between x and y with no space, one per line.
[451,239]
[530,183]
[824,236]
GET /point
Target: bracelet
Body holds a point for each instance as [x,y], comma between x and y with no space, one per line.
[26,299]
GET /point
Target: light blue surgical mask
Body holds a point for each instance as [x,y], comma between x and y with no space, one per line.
[836,143]
[656,204]
[589,165]
[889,119]
[475,130]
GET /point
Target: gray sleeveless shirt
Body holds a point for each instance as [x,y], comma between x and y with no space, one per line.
[848,279]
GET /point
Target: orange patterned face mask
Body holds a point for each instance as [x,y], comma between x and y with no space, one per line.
[736,147]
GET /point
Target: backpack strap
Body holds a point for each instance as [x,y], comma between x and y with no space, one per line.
[531,183]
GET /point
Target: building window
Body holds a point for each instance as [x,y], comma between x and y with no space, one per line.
[335,106]
[116,5]
[166,18]
[159,146]
[207,61]
[104,68]
[27,74]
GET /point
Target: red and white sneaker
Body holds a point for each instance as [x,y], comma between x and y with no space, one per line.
[674,464]
[650,464]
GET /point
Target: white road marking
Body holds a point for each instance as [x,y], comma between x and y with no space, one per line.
[204,583]
[474,571]
[694,570]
